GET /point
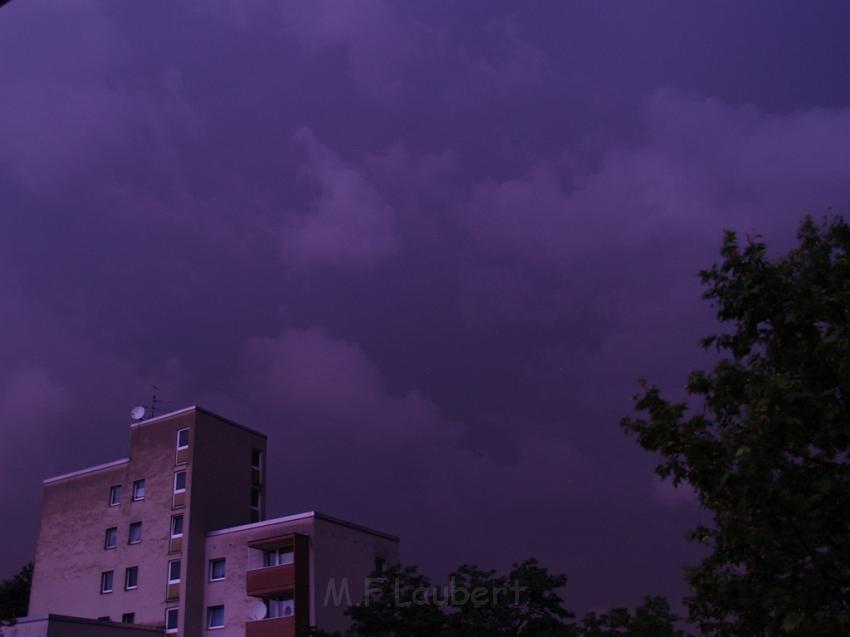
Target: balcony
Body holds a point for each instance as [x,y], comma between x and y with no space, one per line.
[272,580]
[278,627]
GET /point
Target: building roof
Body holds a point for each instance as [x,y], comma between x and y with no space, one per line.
[67,619]
[191,408]
[304,516]
[87,470]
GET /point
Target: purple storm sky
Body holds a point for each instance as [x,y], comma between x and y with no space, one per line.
[428,247]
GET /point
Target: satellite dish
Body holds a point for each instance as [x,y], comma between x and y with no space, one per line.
[137,413]
[257,610]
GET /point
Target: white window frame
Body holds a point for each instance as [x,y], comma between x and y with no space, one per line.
[277,553]
[127,572]
[169,611]
[258,467]
[139,490]
[130,533]
[106,545]
[115,495]
[215,561]
[185,478]
[182,520]
[179,446]
[104,575]
[168,572]
[210,609]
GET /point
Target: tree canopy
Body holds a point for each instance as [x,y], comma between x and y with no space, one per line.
[763,439]
[481,603]
[15,594]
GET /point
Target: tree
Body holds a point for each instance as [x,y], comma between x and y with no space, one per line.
[764,439]
[476,603]
[15,594]
[653,618]
[479,603]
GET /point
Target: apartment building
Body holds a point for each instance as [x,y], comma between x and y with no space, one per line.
[175,537]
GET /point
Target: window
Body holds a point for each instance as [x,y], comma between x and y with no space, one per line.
[135,533]
[139,490]
[279,557]
[279,607]
[215,617]
[131,578]
[106,582]
[173,571]
[171,617]
[115,495]
[128,618]
[111,540]
[255,505]
[183,438]
[177,525]
[256,459]
[180,482]
[379,566]
[217,569]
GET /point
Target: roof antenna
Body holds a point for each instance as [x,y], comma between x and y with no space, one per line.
[154,400]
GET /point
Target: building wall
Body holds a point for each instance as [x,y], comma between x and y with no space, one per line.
[55,626]
[219,496]
[70,554]
[233,545]
[344,553]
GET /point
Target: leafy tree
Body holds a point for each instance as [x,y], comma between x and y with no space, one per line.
[653,618]
[476,603]
[396,607]
[15,594]
[764,439]
[523,603]
[479,603]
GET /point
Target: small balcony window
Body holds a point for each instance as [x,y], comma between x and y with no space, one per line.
[279,557]
[177,525]
[106,582]
[180,482]
[111,540]
[174,571]
[131,578]
[171,619]
[280,607]
[183,439]
[215,617]
[139,490]
[217,569]
[135,533]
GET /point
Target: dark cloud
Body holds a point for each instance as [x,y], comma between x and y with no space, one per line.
[427,247]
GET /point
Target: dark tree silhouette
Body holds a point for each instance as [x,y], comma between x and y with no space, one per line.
[765,440]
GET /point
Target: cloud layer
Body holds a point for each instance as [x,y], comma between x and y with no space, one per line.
[427,248]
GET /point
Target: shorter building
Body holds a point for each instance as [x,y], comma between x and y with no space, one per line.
[62,626]
[175,537]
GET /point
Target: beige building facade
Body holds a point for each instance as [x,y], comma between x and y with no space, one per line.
[175,537]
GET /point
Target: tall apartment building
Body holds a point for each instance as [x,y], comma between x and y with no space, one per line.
[175,537]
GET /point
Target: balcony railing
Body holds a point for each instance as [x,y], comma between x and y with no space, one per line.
[263,582]
[278,627]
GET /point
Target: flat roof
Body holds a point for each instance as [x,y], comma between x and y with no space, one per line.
[87,470]
[68,619]
[191,408]
[303,516]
